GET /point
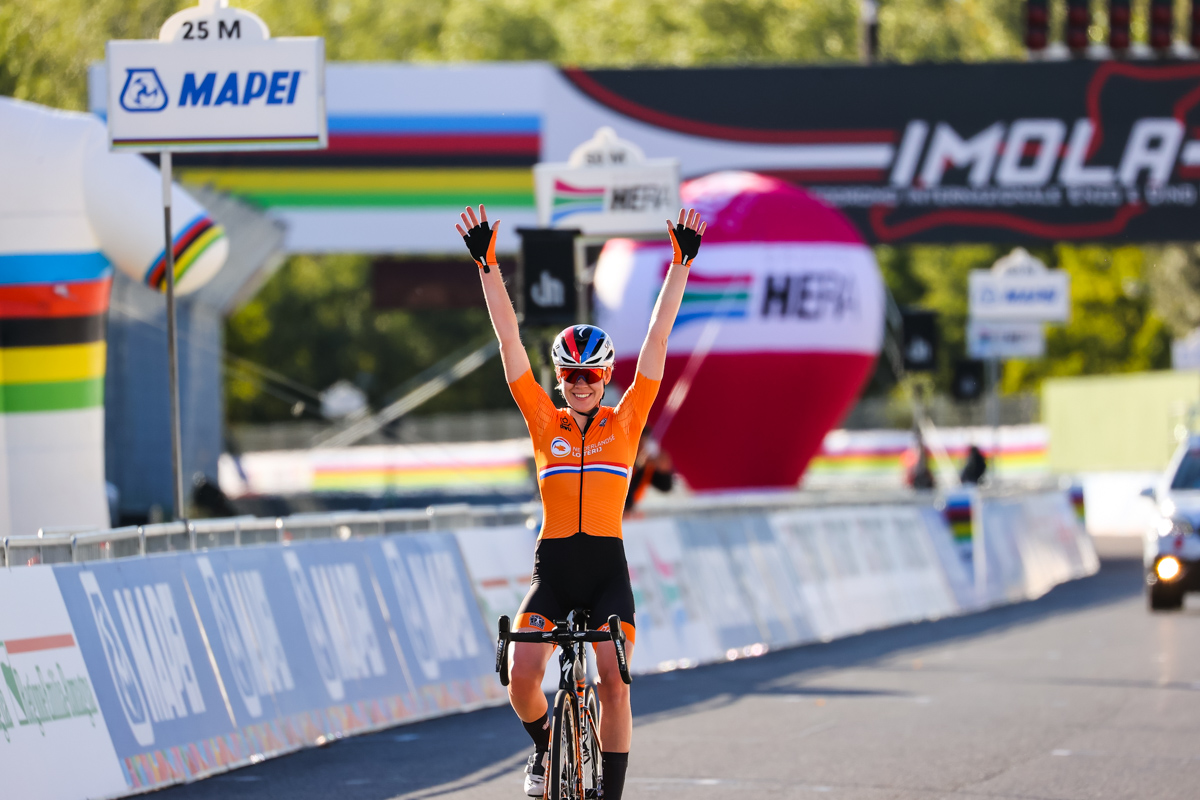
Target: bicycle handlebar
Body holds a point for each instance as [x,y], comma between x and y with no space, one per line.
[562,637]
[551,637]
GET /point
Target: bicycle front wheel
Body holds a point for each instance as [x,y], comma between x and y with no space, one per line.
[564,779]
[590,768]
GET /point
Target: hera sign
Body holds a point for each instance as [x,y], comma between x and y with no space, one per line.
[216,80]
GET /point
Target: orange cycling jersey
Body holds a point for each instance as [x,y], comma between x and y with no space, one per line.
[583,477]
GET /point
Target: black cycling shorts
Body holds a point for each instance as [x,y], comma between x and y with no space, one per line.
[579,571]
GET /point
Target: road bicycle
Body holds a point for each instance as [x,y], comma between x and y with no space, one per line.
[575,769]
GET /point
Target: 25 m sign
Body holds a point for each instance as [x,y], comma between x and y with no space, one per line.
[221,94]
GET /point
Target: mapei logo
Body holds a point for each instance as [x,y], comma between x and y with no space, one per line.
[143,91]
[279,89]
[147,655]
[560,447]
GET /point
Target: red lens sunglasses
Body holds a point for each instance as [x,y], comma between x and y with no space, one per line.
[589,375]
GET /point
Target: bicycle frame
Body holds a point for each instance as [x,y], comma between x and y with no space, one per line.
[572,679]
[571,636]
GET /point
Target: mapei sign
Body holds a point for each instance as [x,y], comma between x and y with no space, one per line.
[948,153]
[216,80]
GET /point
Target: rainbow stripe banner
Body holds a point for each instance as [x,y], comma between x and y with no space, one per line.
[380,161]
[381,187]
[875,456]
[382,469]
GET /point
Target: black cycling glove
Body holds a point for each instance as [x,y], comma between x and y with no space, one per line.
[685,242]
[481,241]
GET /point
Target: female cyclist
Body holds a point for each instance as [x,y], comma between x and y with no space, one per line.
[583,454]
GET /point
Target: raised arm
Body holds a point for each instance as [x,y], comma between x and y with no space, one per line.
[685,242]
[481,241]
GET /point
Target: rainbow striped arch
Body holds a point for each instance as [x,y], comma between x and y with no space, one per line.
[568,200]
[190,243]
[708,296]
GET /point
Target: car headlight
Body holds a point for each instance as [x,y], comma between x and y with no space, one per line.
[1175,526]
[1168,568]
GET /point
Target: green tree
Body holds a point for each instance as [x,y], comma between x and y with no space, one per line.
[950,30]
[314,322]
[47,45]
[1174,280]
[1113,325]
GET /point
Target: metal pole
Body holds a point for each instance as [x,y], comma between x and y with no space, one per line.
[868,31]
[993,412]
[172,347]
[581,281]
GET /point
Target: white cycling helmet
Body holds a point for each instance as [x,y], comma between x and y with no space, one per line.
[583,346]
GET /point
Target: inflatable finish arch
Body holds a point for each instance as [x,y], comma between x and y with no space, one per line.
[71,211]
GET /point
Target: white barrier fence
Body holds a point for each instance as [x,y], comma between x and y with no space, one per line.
[177,665]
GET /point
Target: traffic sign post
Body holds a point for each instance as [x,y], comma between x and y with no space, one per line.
[1009,304]
[213,81]
[607,188]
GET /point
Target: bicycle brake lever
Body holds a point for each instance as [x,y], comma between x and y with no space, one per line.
[618,639]
[502,651]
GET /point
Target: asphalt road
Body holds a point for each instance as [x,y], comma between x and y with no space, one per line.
[1081,694]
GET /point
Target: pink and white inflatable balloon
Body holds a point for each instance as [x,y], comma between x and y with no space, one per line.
[779,330]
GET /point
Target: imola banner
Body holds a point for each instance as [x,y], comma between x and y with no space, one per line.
[1079,150]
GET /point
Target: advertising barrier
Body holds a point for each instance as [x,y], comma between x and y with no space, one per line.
[217,659]
[1026,545]
[734,583]
[171,667]
[49,707]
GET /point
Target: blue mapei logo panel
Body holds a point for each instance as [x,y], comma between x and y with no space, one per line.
[238,645]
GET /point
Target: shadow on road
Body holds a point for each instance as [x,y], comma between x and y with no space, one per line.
[445,755]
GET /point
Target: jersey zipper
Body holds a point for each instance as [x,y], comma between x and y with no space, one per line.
[582,450]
